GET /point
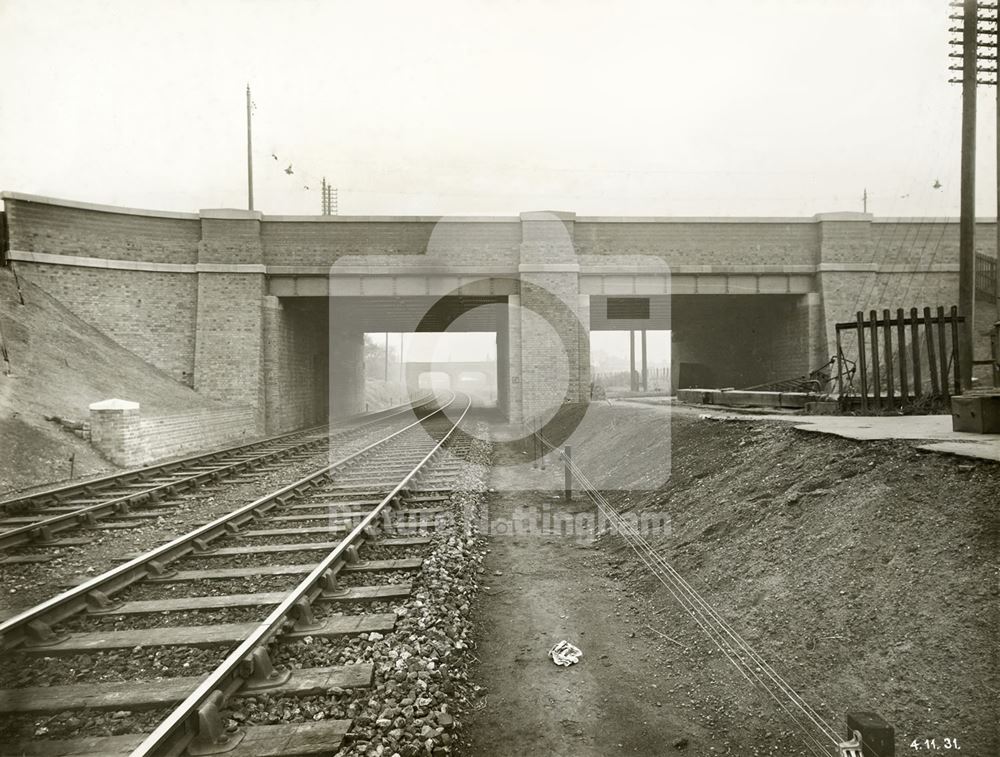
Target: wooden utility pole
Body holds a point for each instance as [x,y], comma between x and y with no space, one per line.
[645,364]
[631,361]
[864,201]
[249,153]
[978,53]
[967,224]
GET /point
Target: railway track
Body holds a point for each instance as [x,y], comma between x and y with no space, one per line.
[126,500]
[231,609]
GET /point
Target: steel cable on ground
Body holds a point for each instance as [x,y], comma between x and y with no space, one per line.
[696,599]
[744,668]
[735,647]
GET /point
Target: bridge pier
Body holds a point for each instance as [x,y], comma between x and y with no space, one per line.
[347,368]
[549,321]
[229,336]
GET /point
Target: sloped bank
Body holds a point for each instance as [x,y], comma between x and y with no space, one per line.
[864,573]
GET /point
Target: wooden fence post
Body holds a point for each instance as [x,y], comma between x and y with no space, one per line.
[904,384]
[840,367]
[942,350]
[862,365]
[876,380]
[890,381]
[931,361]
[918,388]
[954,340]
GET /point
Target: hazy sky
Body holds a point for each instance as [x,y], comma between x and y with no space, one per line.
[710,107]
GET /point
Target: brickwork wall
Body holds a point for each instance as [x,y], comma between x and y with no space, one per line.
[515,394]
[920,244]
[151,314]
[703,243]
[61,230]
[229,343]
[128,439]
[323,243]
[118,436]
[214,324]
[176,435]
[347,369]
[296,364]
[553,338]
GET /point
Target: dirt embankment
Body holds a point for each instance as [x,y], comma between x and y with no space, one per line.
[56,365]
[866,574]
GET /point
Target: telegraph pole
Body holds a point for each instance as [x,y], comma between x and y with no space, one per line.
[978,52]
[967,224]
[249,153]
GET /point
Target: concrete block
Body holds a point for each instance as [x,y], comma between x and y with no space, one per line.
[114,404]
[695,396]
[976,413]
[823,407]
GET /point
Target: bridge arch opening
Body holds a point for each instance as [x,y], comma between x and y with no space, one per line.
[434,381]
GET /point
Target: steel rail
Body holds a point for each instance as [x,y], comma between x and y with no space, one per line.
[30,532]
[35,623]
[53,494]
[57,494]
[166,739]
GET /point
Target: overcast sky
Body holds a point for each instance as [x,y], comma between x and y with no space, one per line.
[702,107]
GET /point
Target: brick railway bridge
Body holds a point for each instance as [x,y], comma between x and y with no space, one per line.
[248,308]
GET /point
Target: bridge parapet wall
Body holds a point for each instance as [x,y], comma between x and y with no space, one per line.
[689,242]
[76,229]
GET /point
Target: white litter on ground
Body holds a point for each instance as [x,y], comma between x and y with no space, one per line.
[565,654]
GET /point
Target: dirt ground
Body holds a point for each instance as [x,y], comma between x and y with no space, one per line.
[545,587]
[865,573]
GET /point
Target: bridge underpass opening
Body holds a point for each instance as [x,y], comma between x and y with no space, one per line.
[380,346]
[628,361]
[461,361]
[715,340]
[744,340]
[317,357]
